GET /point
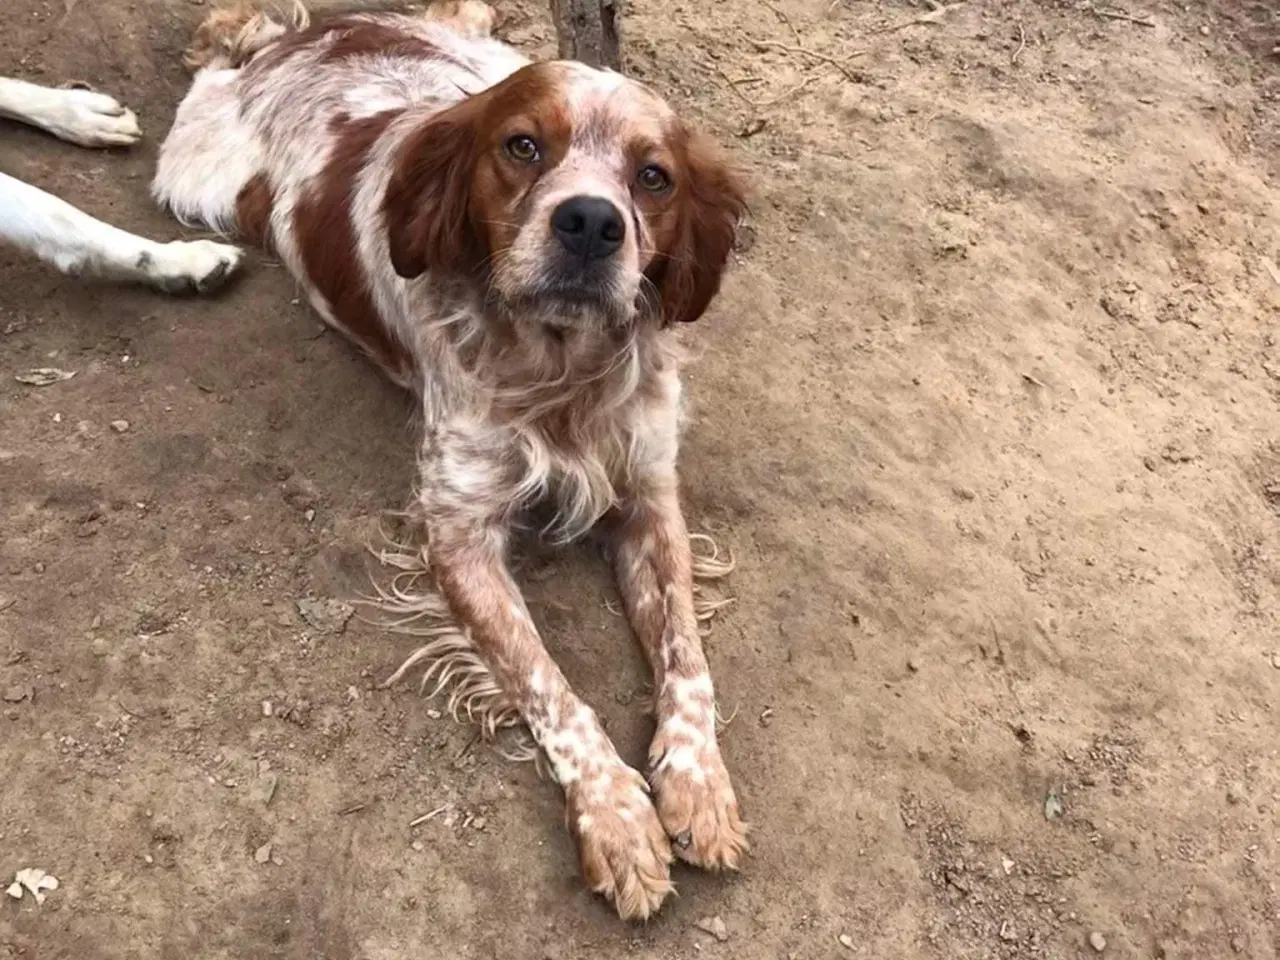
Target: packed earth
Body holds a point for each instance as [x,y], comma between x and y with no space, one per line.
[988,413]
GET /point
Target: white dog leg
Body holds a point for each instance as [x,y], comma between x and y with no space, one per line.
[78,116]
[79,245]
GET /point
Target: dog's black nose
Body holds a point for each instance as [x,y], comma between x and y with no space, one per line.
[589,227]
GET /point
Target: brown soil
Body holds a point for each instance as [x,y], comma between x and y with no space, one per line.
[989,411]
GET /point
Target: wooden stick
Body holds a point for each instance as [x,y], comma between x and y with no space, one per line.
[588,31]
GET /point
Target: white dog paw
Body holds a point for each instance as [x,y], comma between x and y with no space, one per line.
[190,266]
[90,119]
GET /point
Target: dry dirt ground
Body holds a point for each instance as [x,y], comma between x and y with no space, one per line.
[989,412]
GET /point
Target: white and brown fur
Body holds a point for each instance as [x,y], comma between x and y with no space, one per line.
[372,154]
[70,240]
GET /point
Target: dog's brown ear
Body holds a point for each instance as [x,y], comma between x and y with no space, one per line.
[428,199]
[712,203]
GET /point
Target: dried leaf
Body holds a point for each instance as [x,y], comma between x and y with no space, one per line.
[1052,805]
[44,376]
[32,879]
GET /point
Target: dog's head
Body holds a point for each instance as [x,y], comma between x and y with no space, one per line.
[575,194]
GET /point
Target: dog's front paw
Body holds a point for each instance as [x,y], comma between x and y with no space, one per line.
[623,848]
[190,266]
[89,119]
[695,797]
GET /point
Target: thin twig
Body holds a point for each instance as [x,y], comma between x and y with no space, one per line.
[1022,43]
[754,105]
[429,816]
[1112,14]
[785,19]
[733,88]
[805,51]
[933,16]
[787,93]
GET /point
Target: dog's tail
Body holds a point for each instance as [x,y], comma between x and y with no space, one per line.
[232,36]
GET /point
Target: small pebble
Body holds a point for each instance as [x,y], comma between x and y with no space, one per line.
[714,926]
[263,853]
[846,941]
[119,426]
[1097,941]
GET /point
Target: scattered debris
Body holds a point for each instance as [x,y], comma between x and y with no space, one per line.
[32,880]
[327,616]
[714,926]
[44,376]
[1053,808]
[1097,941]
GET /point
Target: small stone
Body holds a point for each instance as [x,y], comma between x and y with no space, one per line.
[1007,932]
[120,426]
[266,708]
[913,665]
[310,514]
[846,941]
[353,694]
[1235,794]
[96,622]
[327,616]
[1204,31]
[1097,941]
[714,926]
[418,845]
[1275,659]
[263,853]
[1007,864]
[478,823]
[18,693]
[433,714]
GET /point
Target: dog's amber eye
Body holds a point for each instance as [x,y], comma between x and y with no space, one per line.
[524,148]
[654,179]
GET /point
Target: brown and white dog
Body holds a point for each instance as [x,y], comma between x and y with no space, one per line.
[513,242]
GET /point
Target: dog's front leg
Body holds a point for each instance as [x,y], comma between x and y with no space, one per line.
[654,569]
[624,850]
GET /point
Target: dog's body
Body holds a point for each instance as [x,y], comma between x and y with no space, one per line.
[511,242]
[70,240]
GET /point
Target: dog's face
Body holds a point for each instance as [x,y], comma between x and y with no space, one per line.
[575,194]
